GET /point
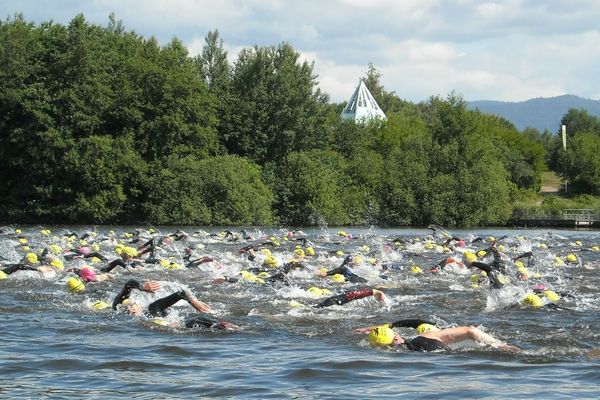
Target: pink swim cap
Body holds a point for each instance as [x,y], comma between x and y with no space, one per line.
[87,274]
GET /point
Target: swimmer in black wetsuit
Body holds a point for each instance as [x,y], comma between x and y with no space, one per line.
[345,270]
[437,340]
[347,297]
[159,308]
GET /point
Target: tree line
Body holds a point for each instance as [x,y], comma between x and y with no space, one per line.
[102,125]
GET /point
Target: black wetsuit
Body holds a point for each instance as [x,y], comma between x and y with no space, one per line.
[344,298]
[347,272]
[159,308]
[11,268]
[421,343]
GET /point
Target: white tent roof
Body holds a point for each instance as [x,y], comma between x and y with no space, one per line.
[362,106]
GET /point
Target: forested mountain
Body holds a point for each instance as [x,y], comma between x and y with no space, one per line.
[539,113]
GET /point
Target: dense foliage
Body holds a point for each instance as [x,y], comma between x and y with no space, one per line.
[101,125]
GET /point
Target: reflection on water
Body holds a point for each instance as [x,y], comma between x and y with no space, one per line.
[55,345]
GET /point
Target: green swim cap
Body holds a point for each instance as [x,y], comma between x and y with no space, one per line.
[381,336]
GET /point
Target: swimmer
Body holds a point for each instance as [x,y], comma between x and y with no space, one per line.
[345,270]
[437,340]
[349,296]
[420,325]
[159,308]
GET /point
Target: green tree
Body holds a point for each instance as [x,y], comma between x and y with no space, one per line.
[276,107]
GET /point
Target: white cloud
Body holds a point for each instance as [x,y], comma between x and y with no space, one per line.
[497,49]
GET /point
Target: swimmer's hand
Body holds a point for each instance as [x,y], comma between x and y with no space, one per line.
[150,286]
[364,330]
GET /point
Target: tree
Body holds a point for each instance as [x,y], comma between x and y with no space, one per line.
[276,107]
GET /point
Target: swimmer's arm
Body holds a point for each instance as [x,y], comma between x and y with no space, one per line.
[409,323]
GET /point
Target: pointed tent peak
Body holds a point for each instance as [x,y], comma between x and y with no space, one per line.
[362,106]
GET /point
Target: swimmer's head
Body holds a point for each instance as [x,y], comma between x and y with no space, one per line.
[571,258]
[310,251]
[533,300]
[519,264]
[75,285]
[381,336]
[270,261]
[3,275]
[470,257]
[415,269]
[266,252]
[31,258]
[87,274]
[423,328]
[299,253]
[481,253]
[56,263]
[339,278]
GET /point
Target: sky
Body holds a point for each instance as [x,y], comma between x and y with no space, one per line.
[508,50]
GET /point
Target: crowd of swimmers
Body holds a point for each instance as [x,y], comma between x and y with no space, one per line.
[80,259]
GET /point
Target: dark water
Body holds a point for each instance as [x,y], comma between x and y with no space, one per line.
[53,345]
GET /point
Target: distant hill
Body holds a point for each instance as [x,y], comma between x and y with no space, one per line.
[540,113]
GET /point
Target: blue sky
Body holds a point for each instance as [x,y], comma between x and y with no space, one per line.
[509,50]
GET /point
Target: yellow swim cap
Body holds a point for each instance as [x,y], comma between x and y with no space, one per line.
[342,233]
[501,248]
[55,249]
[310,251]
[381,336]
[572,258]
[270,261]
[295,304]
[99,305]
[339,253]
[163,262]
[551,295]
[18,231]
[23,241]
[475,278]
[160,321]
[95,247]
[365,249]
[263,274]
[577,243]
[470,257]
[57,264]
[75,285]
[558,261]
[519,264]
[357,260]
[595,248]
[339,278]
[533,300]
[32,258]
[491,239]
[428,246]
[415,269]
[543,246]
[130,251]
[481,253]
[315,291]
[266,252]
[299,253]
[3,275]
[427,328]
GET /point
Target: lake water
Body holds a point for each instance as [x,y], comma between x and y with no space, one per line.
[54,345]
